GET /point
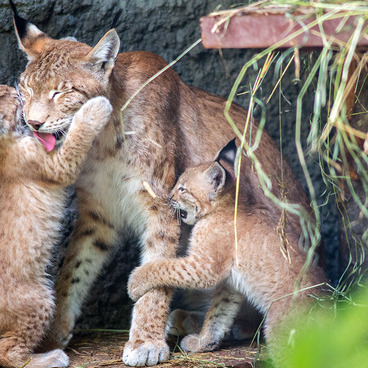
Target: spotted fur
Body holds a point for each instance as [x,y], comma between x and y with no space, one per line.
[255,268]
[161,132]
[32,184]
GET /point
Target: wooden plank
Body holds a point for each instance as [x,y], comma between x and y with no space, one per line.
[262,30]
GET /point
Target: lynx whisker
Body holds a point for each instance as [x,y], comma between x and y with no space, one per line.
[63,132]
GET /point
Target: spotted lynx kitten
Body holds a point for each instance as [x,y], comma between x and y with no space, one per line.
[205,197]
[32,194]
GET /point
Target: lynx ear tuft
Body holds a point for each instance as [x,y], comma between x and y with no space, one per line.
[228,153]
[103,55]
[31,40]
[216,176]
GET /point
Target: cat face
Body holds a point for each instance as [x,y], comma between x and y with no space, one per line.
[197,190]
[49,107]
[60,77]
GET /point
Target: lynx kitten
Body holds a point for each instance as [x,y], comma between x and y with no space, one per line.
[257,269]
[32,184]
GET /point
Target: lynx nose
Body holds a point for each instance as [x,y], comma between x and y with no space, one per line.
[36,125]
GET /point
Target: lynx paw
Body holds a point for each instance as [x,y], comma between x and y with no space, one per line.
[97,110]
[146,354]
[191,343]
[195,343]
[138,283]
[54,358]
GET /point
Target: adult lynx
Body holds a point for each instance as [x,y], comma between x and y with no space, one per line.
[257,268]
[32,186]
[167,125]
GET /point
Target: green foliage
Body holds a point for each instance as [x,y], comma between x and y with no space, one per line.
[339,342]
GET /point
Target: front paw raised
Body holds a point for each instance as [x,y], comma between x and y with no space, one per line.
[96,112]
[147,353]
[138,283]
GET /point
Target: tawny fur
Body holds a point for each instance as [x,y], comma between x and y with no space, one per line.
[256,268]
[160,133]
[32,184]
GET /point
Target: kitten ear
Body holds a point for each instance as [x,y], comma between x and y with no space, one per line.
[228,153]
[103,55]
[216,176]
[31,40]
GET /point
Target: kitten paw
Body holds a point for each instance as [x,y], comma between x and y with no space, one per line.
[138,283]
[197,343]
[145,354]
[191,343]
[54,358]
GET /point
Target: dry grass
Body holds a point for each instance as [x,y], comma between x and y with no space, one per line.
[93,349]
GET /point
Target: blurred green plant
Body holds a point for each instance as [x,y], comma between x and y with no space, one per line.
[340,342]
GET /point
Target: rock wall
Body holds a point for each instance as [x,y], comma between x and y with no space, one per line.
[166,27]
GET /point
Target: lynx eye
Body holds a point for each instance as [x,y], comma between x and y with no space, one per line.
[181,189]
[55,94]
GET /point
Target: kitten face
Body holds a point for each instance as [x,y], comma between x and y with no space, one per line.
[197,190]
[185,203]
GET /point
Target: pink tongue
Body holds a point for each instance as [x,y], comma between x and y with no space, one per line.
[47,139]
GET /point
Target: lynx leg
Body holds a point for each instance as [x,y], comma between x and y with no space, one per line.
[28,317]
[92,243]
[14,352]
[219,320]
[147,345]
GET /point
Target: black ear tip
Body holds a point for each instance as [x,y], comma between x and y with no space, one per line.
[12,5]
[232,144]
[116,18]
[20,23]
[228,153]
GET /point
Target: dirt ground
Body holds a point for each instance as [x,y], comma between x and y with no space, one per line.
[104,349]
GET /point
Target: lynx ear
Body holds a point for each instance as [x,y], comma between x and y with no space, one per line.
[228,153]
[31,40]
[216,176]
[103,55]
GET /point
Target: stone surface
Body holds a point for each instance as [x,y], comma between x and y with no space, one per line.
[166,27]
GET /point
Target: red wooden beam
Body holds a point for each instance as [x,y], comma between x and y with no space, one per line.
[262,30]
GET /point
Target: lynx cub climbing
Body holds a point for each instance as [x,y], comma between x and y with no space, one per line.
[205,197]
[32,184]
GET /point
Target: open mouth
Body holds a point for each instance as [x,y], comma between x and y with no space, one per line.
[48,140]
[183,214]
